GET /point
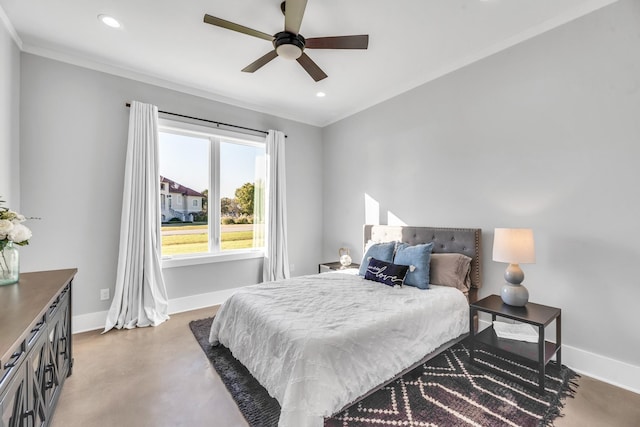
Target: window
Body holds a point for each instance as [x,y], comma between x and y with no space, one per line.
[222,174]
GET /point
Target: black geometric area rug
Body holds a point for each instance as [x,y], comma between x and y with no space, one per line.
[445,391]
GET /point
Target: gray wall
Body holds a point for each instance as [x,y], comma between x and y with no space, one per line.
[9,120]
[73,140]
[543,135]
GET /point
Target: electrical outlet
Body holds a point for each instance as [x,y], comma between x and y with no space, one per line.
[104,294]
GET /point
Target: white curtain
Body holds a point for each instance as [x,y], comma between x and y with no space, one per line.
[276,260]
[140,297]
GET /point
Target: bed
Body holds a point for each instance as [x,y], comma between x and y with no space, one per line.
[318,343]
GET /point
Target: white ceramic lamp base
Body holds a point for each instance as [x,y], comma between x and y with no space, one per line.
[516,295]
[512,292]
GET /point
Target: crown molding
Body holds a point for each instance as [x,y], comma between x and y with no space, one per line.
[10,28]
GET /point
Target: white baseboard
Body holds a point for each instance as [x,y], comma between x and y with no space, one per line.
[194,302]
[612,371]
[603,368]
[93,321]
[88,322]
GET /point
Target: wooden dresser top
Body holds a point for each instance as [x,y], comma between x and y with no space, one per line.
[23,304]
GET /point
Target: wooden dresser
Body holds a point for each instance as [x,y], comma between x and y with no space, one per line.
[35,346]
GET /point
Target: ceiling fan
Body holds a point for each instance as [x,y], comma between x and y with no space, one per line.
[290,44]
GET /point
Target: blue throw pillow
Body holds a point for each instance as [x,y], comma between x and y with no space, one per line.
[418,256]
[386,272]
[380,251]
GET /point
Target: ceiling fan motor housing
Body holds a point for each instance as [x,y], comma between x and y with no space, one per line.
[288,45]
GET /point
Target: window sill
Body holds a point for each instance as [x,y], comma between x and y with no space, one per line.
[183,261]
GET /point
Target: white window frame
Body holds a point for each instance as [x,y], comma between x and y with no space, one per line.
[216,136]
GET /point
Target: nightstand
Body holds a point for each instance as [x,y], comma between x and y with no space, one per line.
[335,266]
[534,314]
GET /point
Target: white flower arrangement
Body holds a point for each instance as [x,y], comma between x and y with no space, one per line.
[12,229]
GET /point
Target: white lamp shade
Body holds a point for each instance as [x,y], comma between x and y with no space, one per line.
[514,245]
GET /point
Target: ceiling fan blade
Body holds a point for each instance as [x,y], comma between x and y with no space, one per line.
[236,27]
[258,63]
[311,67]
[340,42]
[293,13]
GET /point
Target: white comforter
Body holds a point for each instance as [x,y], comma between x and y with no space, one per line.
[317,343]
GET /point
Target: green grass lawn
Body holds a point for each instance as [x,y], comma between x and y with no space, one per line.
[198,243]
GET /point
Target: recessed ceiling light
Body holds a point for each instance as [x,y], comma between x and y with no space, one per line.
[109,21]
[321,94]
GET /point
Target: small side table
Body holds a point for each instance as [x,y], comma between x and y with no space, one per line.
[534,314]
[336,266]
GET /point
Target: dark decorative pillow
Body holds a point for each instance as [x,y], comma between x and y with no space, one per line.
[381,251]
[386,272]
[418,256]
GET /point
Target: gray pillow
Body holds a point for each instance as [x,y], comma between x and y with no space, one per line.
[451,269]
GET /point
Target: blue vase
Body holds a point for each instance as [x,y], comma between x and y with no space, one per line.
[9,265]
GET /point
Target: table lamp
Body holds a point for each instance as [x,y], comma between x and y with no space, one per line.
[515,246]
[345,258]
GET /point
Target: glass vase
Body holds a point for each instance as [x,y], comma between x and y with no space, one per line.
[9,265]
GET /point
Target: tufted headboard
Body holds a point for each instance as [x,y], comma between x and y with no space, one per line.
[460,240]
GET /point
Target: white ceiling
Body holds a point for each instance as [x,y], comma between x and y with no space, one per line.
[165,42]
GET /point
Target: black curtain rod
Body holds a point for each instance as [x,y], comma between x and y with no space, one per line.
[210,121]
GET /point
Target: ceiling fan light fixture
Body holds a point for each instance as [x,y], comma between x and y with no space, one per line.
[289,51]
[288,45]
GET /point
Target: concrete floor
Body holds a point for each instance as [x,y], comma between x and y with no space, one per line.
[159,377]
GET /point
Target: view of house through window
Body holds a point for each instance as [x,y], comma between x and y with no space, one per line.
[211,191]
